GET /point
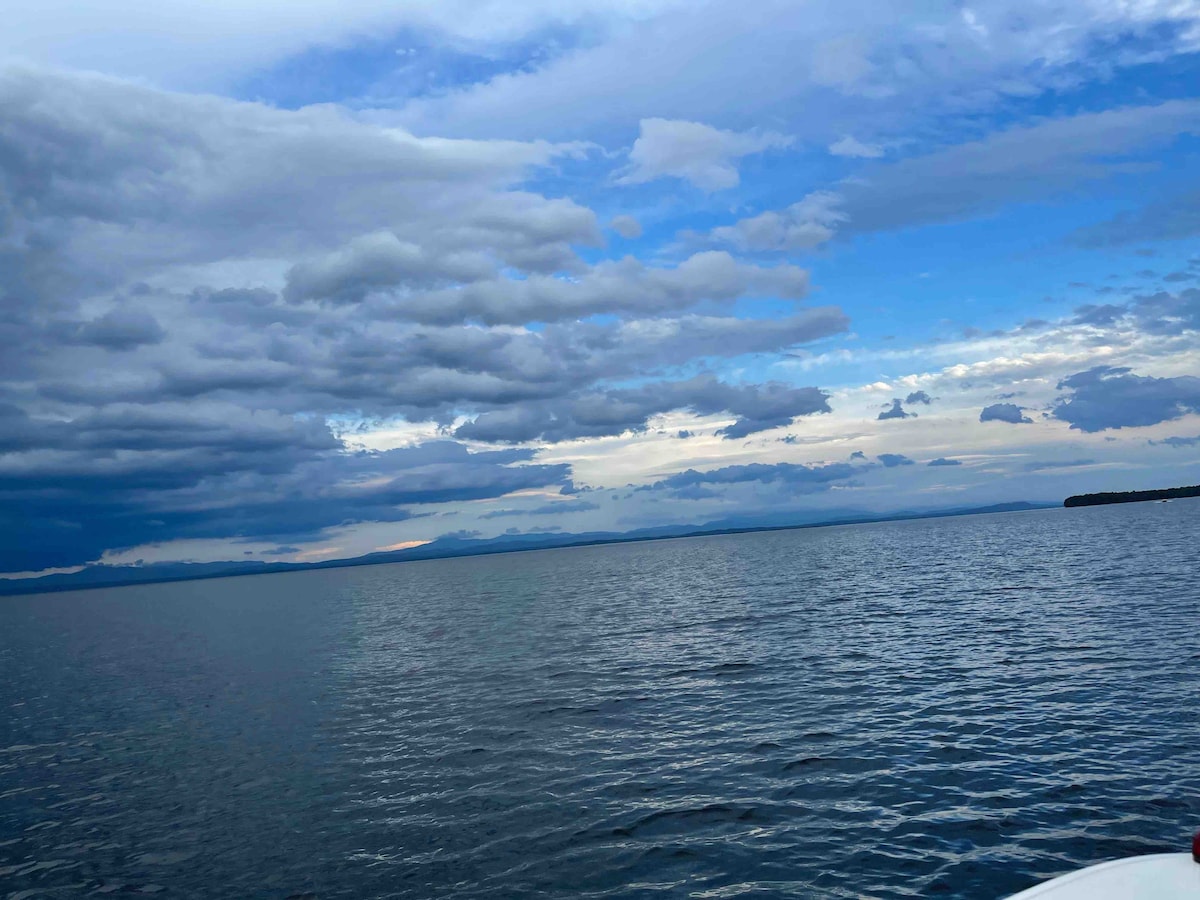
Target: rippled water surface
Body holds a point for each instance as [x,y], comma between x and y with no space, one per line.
[953,707]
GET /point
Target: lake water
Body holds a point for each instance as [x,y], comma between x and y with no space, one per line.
[952,707]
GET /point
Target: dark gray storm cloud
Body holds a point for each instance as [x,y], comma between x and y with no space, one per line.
[942,461]
[918,397]
[895,411]
[67,507]
[121,431]
[1004,412]
[891,460]
[1106,397]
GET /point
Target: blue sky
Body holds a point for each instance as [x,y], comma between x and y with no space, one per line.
[308,280]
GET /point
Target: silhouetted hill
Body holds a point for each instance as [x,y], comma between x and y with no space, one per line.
[1132,496]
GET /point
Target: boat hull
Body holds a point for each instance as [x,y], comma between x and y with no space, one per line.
[1160,876]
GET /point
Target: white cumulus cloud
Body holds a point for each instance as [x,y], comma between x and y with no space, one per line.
[851,146]
[695,152]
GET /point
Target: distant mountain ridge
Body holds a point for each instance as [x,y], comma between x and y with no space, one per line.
[448,547]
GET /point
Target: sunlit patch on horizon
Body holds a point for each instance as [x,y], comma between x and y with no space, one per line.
[318,554]
[403,545]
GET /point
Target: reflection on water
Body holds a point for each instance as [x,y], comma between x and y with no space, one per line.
[955,707]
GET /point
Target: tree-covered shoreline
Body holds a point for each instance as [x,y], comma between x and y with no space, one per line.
[1132,496]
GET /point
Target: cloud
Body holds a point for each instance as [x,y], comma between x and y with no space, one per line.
[942,461]
[891,460]
[175,480]
[546,509]
[1110,397]
[207,45]
[895,412]
[118,330]
[1162,312]
[1177,442]
[462,534]
[853,67]
[1004,412]
[804,225]
[848,146]
[1167,313]
[416,231]
[1100,315]
[626,226]
[1171,218]
[109,182]
[196,290]
[616,411]
[1027,162]
[694,152]
[791,477]
[918,397]
[381,261]
[1044,465]
[611,286]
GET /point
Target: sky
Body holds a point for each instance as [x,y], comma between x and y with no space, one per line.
[301,281]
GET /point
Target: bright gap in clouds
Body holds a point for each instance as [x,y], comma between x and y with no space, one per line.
[483,269]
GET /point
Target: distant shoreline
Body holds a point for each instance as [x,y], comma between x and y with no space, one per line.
[1132,496]
[95,577]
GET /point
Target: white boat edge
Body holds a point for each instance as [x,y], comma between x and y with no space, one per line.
[1161,876]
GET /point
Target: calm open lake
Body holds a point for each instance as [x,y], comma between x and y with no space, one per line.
[953,707]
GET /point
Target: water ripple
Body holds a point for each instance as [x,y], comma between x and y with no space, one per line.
[947,707]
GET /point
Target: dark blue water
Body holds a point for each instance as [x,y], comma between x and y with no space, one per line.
[955,707]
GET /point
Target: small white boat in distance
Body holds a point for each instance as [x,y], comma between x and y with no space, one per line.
[1159,876]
